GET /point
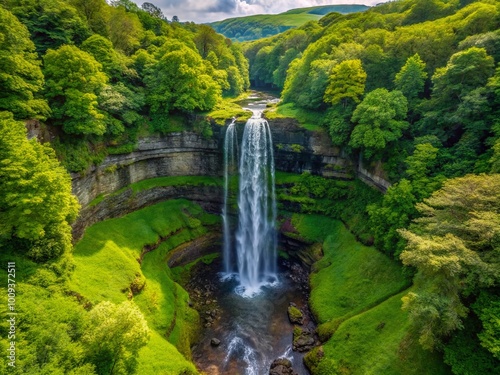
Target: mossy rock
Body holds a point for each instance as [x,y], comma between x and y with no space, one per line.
[295,315]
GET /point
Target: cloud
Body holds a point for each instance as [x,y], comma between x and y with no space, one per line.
[213,10]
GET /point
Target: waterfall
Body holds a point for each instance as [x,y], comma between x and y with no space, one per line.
[230,168]
[255,255]
[256,241]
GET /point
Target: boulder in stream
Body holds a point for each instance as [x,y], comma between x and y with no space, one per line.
[295,315]
[281,366]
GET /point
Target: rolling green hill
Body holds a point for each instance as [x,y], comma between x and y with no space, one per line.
[264,25]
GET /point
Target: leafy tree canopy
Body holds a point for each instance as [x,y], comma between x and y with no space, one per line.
[379,119]
[36,203]
[454,247]
[178,81]
[74,79]
[346,81]
[21,78]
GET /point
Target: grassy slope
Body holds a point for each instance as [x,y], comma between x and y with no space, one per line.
[356,297]
[377,342]
[283,21]
[106,265]
[309,120]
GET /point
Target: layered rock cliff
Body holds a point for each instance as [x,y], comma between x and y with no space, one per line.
[186,153]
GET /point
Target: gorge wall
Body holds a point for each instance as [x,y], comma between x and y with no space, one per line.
[186,153]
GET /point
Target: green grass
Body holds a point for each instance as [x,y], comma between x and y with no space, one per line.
[310,120]
[285,178]
[106,264]
[349,279]
[377,342]
[356,297]
[162,182]
[227,108]
[160,357]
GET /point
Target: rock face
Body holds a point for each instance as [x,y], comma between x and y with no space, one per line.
[175,154]
[281,366]
[299,150]
[186,153]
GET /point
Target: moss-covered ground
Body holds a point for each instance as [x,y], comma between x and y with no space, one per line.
[111,264]
[162,182]
[309,120]
[356,298]
[228,108]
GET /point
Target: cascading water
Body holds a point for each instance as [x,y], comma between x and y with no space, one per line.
[252,331]
[230,168]
[256,236]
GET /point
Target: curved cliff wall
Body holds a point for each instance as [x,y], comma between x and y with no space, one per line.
[186,153]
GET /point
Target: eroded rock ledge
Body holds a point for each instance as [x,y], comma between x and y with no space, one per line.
[187,153]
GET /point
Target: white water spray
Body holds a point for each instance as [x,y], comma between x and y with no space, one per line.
[256,241]
[230,168]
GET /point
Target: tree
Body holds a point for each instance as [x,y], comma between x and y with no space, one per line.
[95,12]
[51,23]
[487,307]
[36,204]
[102,50]
[346,82]
[52,328]
[20,75]
[74,80]
[454,247]
[394,212]
[125,29]
[420,165]
[178,82]
[153,10]
[114,335]
[379,119]
[410,80]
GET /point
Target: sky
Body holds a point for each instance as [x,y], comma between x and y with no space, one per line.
[201,11]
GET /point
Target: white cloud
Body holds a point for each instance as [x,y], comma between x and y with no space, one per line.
[201,11]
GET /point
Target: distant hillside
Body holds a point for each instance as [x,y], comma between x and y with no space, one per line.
[264,25]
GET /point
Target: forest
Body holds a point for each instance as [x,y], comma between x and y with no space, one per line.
[409,87]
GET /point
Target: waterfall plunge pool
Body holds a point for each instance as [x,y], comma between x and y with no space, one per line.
[254,331]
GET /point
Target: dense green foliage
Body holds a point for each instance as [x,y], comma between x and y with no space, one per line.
[264,25]
[20,75]
[411,86]
[344,200]
[110,72]
[454,247]
[36,204]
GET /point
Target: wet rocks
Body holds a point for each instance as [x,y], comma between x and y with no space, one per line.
[215,342]
[281,366]
[295,315]
[303,339]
